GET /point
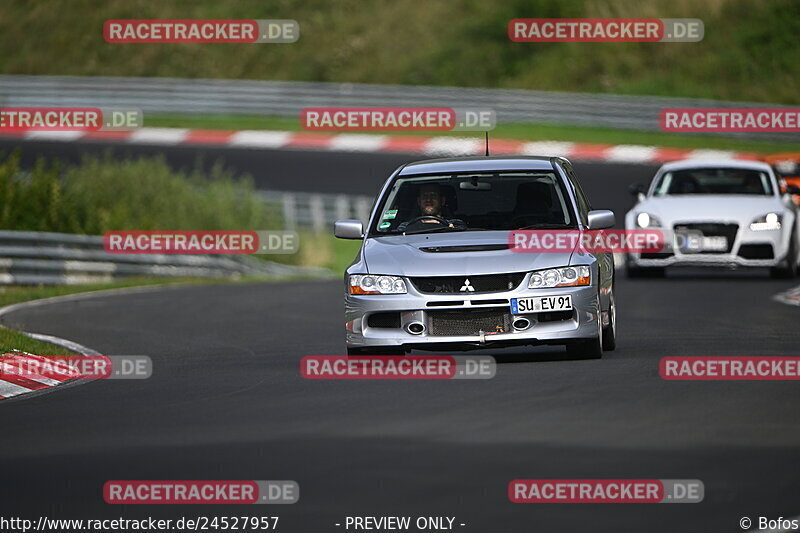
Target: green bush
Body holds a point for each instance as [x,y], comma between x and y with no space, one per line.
[102,194]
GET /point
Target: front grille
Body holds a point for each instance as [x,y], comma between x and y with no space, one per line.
[455,284]
[469,322]
[656,255]
[756,251]
[711,229]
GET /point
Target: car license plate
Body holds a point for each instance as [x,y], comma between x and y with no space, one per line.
[541,304]
[696,243]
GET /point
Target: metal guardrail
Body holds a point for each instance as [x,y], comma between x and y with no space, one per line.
[280,98]
[317,211]
[40,258]
[34,258]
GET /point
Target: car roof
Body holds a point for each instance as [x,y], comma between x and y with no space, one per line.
[713,163]
[477,164]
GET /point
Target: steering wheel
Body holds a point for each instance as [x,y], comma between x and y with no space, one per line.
[440,220]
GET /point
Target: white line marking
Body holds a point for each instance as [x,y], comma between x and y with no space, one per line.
[710,154]
[54,135]
[260,139]
[453,146]
[554,148]
[631,153]
[358,143]
[158,135]
[64,343]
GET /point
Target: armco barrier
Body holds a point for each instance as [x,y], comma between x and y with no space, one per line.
[39,258]
[316,211]
[286,99]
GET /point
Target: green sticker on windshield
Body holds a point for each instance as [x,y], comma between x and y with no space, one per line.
[390,214]
[384,225]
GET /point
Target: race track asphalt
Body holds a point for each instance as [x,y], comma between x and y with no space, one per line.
[226,401]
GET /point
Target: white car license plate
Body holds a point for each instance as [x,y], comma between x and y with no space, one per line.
[541,304]
[706,244]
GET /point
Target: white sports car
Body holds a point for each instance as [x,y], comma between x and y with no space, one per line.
[717,213]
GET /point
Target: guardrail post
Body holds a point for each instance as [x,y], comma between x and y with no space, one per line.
[362,209]
[317,208]
[289,211]
[342,207]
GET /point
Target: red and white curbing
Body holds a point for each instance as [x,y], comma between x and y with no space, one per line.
[349,142]
[12,363]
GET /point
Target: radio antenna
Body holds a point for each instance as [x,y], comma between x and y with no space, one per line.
[487,143]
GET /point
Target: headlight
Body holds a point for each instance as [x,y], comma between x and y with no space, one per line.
[369,284]
[646,220]
[560,277]
[767,222]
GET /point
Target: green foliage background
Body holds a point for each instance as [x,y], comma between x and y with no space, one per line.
[751,49]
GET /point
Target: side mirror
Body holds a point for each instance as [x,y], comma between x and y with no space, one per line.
[601,219]
[792,189]
[636,189]
[348,229]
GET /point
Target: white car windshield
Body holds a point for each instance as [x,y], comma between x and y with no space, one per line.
[474,202]
[714,181]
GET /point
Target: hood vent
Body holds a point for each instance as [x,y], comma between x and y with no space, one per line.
[465,248]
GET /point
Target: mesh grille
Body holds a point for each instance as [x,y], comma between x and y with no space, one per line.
[454,284]
[469,322]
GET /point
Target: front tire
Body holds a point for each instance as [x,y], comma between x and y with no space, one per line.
[610,331]
[790,270]
[588,348]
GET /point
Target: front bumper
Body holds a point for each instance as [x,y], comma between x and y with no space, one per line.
[747,250]
[581,323]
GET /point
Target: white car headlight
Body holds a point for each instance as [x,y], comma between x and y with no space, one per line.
[372,284]
[767,222]
[560,277]
[646,220]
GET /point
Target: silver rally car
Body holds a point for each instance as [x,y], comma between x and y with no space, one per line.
[436,271]
[718,213]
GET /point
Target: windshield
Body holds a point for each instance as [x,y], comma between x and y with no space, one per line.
[475,202]
[715,181]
